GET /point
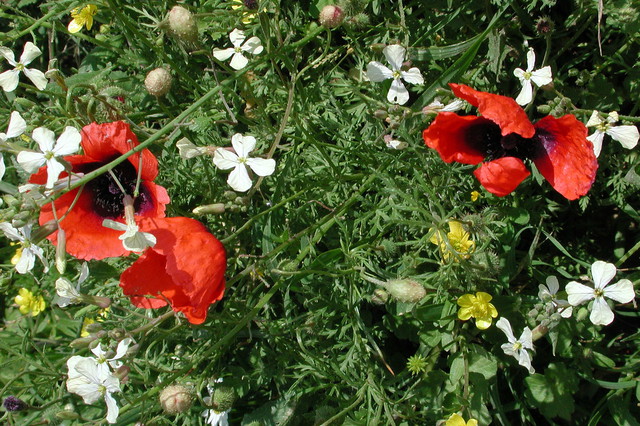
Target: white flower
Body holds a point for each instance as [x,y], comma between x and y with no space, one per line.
[132,239]
[539,77]
[17,126]
[213,417]
[547,293]
[92,382]
[188,150]
[25,256]
[9,78]
[517,348]
[238,61]
[627,135]
[602,273]
[121,351]
[68,294]
[67,143]
[394,143]
[377,72]
[239,178]
[436,106]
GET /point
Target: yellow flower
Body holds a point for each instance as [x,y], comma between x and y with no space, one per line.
[455,244]
[102,315]
[457,420]
[478,307]
[82,18]
[29,303]
[474,196]
[247,17]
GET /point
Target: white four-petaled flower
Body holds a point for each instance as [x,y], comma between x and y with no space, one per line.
[25,256]
[16,127]
[517,348]
[538,77]
[378,72]
[121,351]
[133,239]
[602,273]
[9,78]
[92,381]
[239,161]
[238,61]
[67,143]
[68,294]
[627,135]
[547,293]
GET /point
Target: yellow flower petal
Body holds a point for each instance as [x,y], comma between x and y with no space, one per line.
[466,300]
[483,297]
[483,323]
[74,26]
[465,313]
[455,420]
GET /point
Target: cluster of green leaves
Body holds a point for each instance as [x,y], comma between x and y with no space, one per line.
[299,334]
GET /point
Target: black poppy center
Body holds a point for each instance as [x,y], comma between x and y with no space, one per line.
[487,138]
[107,194]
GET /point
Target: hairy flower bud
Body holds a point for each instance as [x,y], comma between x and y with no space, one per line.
[11,403]
[176,399]
[223,397]
[331,16]
[405,290]
[217,208]
[379,297]
[158,82]
[183,24]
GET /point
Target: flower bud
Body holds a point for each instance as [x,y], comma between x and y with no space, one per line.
[100,301]
[11,403]
[380,114]
[61,251]
[379,297]
[158,82]
[408,291]
[67,415]
[223,398]
[44,231]
[176,399]
[331,16]
[183,25]
[217,208]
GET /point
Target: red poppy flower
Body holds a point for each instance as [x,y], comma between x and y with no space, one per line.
[101,198]
[185,268]
[503,137]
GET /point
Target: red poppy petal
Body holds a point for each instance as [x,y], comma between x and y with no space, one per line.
[104,142]
[568,162]
[448,135]
[187,265]
[502,176]
[502,110]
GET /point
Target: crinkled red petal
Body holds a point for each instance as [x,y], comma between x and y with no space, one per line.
[448,135]
[568,161]
[187,267]
[103,142]
[502,110]
[502,176]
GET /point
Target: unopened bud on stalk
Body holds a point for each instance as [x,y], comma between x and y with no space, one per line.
[379,297]
[223,398]
[100,301]
[331,16]
[67,415]
[11,403]
[44,231]
[183,24]
[176,399]
[158,82]
[405,290]
[82,342]
[94,327]
[61,251]
[122,373]
[217,208]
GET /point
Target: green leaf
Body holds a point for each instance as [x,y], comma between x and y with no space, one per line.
[272,413]
[553,392]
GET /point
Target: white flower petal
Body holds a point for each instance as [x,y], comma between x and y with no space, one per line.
[224,159]
[84,272]
[602,273]
[2,167]
[30,161]
[253,46]
[553,285]
[524,359]
[26,262]
[504,325]
[519,72]
[45,138]
[412,76]
[112,224]
[29,53]
[238,61]
[601,313]
[237,37]
[453,106]
[578,293]
[507,348]
[68,142]
[622,291]
[67,292]
[88,390]
[542,76]
[531,59]
[239,179]
[8,55]
[397,92]
[262,166]
[526,338]
[566,312]
[9,80]
[377,72]
[54,168]
[11,232]
[594,120]
[526,94]
[138,241]
[37,78]
[17,125]
[395,55]
[596,139]
[627,135]
[112,408]
[122,348]
[223,54]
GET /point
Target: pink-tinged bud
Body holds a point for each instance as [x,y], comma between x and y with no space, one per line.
[183,24]
[405,290]
[158,82]
[331,16]
[176,399]
[102,302]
